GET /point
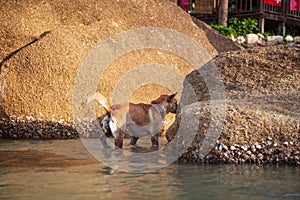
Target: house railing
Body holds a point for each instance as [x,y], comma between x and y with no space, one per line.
[259,6]
[273,9]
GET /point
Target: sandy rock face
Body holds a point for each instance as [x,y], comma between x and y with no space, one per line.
[44,43]
[262,107]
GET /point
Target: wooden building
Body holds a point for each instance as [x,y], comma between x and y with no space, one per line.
[279,12]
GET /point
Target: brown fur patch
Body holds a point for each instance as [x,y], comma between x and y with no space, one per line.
[139,113]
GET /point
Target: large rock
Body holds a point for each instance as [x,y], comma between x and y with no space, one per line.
[38,77]
[44,43]
[262,107]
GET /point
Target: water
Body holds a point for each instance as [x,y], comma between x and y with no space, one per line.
[63,169]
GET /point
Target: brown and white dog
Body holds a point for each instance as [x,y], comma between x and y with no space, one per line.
[138,120]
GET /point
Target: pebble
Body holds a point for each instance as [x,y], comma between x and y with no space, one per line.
[268,143]
[249,152]
[245,148]
[270,138]
[240,39]
[256,153]
[258,146]
[232,148]
[27,127]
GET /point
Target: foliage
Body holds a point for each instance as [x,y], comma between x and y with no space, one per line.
[266,34]
[223,30]
[243,27]
[237,27]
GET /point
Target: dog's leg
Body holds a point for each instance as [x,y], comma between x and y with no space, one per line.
[133,140]
[119,139]
[103,140]
[154,140]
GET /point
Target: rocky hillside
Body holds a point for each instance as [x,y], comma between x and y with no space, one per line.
[261,121]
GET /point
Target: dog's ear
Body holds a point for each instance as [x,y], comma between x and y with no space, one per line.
[171,97]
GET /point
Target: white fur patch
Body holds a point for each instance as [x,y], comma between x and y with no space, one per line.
[113,126]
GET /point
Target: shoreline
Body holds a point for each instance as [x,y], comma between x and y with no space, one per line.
[270,152]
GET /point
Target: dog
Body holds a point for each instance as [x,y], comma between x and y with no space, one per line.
[138,120]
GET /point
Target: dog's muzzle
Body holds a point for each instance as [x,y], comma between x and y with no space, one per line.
[174,111]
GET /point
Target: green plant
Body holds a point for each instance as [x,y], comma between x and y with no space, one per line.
[243,27]
[223,30]
[266,34]
[237,27]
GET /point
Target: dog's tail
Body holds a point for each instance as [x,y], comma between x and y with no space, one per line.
[101,100]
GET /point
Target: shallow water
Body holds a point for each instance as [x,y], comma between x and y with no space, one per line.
[63,169]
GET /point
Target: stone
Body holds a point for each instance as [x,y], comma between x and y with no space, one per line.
[251,38]
[297,39]
[275,39]
[289,38]
[39,64]
[260,36]
[240,39]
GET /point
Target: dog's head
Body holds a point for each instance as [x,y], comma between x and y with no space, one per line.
[169,102]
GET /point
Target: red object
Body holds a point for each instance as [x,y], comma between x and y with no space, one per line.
[273,2]
[184,4]
[295,5]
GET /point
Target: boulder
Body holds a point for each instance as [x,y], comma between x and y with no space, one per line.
[43,45]
[261,103]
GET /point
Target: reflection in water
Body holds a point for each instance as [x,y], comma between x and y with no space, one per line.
[64,169]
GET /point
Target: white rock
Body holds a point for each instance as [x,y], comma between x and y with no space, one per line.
[258,146]
[260,36]
[271,38]
[289,38]
[240,39]
[245,148]
[232,148]
[251,38]
[268,143]
[223,147]
[270,138]
[29,118]
[275,39]
[297,39]
[279,38]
